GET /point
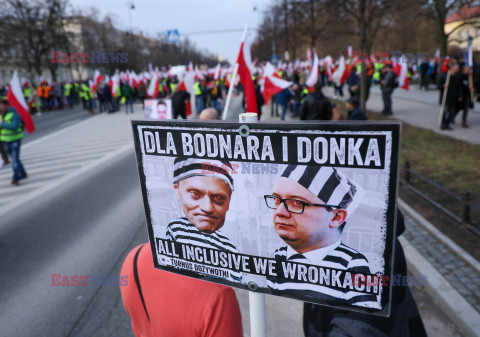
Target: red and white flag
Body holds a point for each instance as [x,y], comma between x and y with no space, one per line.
[273,85]
[437,56]
[349,51]
[216,75]
[134,80]
[313,77]
[339,76]
[16,100]
[152,90]
[97,79]
[187,85]
[114,84]
[309,54]
[403,74]
[245,71]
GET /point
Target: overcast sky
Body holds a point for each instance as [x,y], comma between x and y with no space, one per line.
[154,16]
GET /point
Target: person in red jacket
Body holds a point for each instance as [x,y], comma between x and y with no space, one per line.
[161,303]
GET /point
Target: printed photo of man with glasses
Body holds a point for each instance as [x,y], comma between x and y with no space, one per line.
[311,205]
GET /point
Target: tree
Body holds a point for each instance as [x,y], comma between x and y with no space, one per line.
[439,10]
[369,16]
[36,29]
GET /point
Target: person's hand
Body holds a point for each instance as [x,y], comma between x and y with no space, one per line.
[460,99]
[445,85]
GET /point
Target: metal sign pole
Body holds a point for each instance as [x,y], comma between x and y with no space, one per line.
[258,317]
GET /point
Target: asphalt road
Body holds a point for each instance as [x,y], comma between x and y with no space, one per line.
[105,212]
[55,120]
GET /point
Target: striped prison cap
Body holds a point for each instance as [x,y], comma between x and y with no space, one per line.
[184,168]
[328,184]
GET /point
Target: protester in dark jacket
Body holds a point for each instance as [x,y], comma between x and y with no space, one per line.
[440,85]
[107,96]
[127,92]
[467,89]
[283,98]
[142,93]
[179,98]
[388,84]
[352,81]
[260,99]
[404,319]
[355,113]
[316,106]
[454,95]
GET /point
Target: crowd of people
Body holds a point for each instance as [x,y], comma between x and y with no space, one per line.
[210,89]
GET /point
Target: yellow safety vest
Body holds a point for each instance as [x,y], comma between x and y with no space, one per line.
[197,89]
[10,135]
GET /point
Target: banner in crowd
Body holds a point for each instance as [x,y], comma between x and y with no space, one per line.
[305,211]
[158,109]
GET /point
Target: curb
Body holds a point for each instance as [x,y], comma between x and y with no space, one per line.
[454,305]
[438,287]
[460,252]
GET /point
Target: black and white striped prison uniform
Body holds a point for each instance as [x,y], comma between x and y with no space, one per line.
[328,184]
[182,231]
[342,258]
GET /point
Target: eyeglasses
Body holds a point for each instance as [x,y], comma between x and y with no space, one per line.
[292,205]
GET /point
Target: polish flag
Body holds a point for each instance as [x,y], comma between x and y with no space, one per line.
[198,73]
[403,74]
[273,85]
[188,104]
[16,100]
[216,75]
[313,77]
[437,56]
[309,54]
[349,51]
[340,75]
[114,82]
[134,80]
[245,71]
[187,85]
[97,79]
[152,90]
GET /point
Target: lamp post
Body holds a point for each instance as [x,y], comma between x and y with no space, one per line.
[131,7]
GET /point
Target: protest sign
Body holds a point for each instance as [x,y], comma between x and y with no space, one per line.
[158,109]
[305,211]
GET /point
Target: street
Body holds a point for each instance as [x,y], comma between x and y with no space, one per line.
[55,120]
[89,238]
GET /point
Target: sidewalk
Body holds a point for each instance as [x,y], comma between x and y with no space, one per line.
[420,108]
[453,301]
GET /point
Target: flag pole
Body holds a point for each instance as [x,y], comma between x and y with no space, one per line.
[230,91]
[444,99]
